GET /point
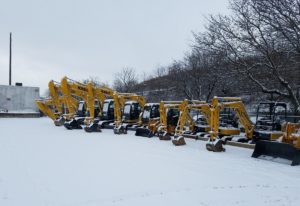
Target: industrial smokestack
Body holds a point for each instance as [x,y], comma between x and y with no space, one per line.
[10,58]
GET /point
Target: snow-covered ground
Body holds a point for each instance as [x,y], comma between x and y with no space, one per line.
[41,164]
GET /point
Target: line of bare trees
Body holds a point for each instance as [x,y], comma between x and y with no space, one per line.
[261,39]
[254,50]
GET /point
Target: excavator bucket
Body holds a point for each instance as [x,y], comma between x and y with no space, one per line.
[178,141]
[164,136]
[144,132]
[215,146]
[93,127]
[120,130]
[277,150]
[59,121]
[72,124]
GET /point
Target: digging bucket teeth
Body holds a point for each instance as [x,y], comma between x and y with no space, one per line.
[215,146]
[144,132]
[59,121]
[93,127]
[277,150]
[178,141]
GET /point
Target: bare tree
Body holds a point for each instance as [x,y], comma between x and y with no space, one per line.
[159,72]
[125,80]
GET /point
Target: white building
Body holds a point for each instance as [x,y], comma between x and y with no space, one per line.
[18,99]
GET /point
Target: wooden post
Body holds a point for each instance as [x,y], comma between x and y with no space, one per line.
[10,59]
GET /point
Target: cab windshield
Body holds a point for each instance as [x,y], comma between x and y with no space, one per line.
[105,107]
[146,113]
[80,106]
[127,109]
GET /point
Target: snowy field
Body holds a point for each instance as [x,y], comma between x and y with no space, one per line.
[41,164]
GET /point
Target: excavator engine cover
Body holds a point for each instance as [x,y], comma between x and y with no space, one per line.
[277,150]
[215,146]
[59,121]
[178,141]
[144,132]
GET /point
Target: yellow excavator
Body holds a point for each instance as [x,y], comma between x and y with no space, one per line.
[287,146]
[106,116]
[194,125]
[74,92]
[149,120]
[127,112]
[266,127]
[217,104]
[161,118]
[169,115]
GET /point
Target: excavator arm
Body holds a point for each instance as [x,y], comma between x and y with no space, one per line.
[243,116]
[44,106]
[55,93]
[70,102]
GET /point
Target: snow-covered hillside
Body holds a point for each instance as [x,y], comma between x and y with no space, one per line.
[41,164]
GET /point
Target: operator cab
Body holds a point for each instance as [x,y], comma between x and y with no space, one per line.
[108,110]
[270,115]
[97,108]
[81,111]
[172,116]
[228,118]
[151,111]
[131,111]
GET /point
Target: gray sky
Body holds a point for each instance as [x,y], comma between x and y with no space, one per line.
[96,37]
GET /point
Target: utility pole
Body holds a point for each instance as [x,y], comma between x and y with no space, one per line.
[10,59]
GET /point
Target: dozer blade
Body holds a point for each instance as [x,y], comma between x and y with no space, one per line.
[144,132]
[72,124]
[178,141]
[277,150]
[215,146]
[93,127]
[59,121]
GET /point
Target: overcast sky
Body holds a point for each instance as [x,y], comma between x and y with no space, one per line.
[96,37]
